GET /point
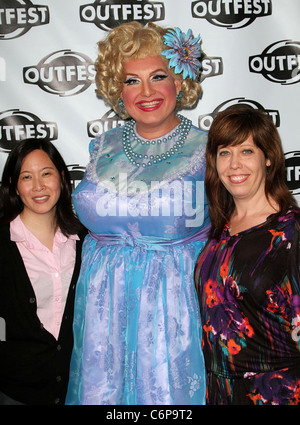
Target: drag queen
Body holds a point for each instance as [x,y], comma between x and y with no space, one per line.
[137,326]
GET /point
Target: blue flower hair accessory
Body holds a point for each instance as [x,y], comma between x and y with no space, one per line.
[184,53]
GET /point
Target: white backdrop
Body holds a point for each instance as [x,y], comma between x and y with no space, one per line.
[48,47]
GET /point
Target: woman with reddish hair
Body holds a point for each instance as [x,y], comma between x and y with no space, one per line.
[248,275]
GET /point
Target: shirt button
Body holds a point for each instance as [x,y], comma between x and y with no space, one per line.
[58,378]
[58,347]
[57,400]
[31,300]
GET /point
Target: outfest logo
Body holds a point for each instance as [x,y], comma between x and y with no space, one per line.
[107,122]
[212,66]
[16,125]
[279,62]
[17,17]
[64,73]
[231,14]
[76,174]
[205,121]
[292,166]
[107,14]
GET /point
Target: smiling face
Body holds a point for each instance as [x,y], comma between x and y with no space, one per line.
[242,170]
[149,94]
[39,184]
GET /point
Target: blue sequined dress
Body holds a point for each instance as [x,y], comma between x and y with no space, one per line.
[137,330]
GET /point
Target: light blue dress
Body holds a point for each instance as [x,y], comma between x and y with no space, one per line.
[137,330]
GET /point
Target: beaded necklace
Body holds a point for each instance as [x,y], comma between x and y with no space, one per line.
[178,136]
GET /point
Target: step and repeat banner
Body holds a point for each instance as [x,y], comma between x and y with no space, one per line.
[48,48]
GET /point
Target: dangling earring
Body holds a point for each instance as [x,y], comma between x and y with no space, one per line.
[179,96]
[121,103]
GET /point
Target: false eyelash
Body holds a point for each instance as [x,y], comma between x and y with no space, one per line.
[130,80]
[160,76]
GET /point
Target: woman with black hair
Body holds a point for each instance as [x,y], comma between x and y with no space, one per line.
[40,255]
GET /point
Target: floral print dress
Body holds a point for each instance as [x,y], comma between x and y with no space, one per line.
[249,292]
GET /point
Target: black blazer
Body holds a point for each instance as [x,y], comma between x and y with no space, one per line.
[34,366]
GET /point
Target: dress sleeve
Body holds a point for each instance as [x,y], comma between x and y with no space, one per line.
[95,150]
[294,278]
[91,145]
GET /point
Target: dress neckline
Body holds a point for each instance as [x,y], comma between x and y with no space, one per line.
[253,228]
[279,216]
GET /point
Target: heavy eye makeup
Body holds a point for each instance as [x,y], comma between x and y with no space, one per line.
[159,77]
[131,80]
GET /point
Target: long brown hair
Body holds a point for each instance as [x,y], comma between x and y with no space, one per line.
[232,127]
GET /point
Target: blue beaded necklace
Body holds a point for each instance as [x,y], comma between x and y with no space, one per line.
[179,135]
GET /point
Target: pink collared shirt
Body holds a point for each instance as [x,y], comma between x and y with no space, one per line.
[50,272]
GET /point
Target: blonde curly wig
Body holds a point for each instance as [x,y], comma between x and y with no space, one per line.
[133,41]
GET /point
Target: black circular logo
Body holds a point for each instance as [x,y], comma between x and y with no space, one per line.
[206,120]
[231,14]
[279,62]
[64,73]
[16,125]
[19,16]
[292,166]
[107,14]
